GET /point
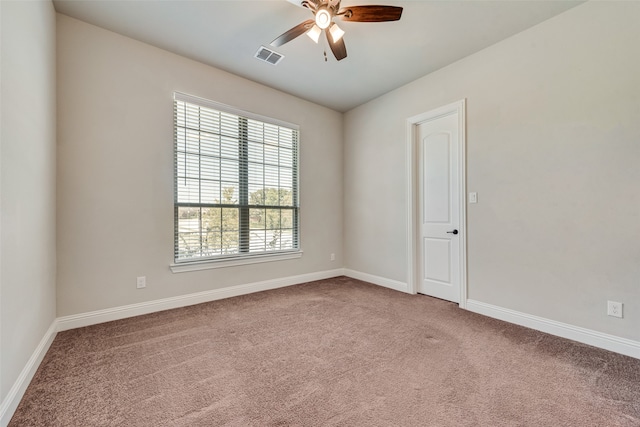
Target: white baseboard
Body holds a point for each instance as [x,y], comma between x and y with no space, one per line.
[586,336]
[377,280]
[122,312]
[12,400]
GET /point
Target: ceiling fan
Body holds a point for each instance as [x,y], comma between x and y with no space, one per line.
[325,11]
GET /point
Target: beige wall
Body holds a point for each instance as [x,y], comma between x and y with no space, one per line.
[27,191]
[115,170]
[553,150]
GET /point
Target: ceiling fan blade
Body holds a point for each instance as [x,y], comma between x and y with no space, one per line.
[338,48]
[300,3]
[293,33]
[371,13]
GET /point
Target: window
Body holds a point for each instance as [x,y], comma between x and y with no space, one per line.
[236,183]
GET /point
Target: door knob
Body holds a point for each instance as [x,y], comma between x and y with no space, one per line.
[452,232]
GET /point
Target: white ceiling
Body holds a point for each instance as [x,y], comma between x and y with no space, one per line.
[381,56]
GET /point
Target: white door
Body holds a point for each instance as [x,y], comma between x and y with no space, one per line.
[438,249]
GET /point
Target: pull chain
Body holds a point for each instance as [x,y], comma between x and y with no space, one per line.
[324,45]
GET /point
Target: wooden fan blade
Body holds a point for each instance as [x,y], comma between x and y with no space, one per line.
[293,33]
[296,2]
[338,48]
[301,3]
[371,13]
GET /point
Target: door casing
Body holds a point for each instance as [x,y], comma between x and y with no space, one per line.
[413,196]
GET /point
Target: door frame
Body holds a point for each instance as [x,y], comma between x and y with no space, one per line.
[413,266]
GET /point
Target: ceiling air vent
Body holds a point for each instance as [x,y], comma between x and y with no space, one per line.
[268,55]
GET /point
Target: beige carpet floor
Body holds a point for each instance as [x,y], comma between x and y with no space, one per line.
[336,352]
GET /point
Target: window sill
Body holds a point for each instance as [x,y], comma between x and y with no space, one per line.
[232,262]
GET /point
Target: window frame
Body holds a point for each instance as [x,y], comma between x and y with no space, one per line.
[239,258]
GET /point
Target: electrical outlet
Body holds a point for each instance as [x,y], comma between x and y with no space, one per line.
[141,282]
[332,257]
[614,309]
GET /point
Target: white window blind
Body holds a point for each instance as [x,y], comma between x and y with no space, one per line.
[236,182]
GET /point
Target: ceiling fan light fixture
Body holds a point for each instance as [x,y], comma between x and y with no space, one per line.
[323,18]
[336,32]
[314,33]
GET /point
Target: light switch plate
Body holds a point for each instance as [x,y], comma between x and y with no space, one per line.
[473,197]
